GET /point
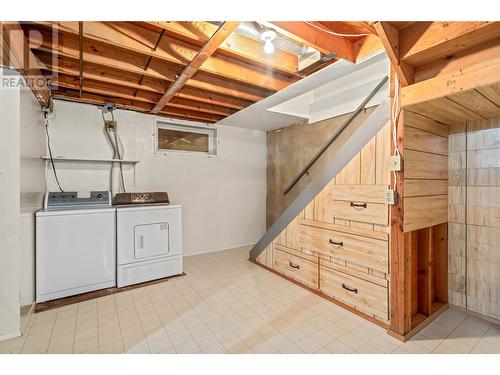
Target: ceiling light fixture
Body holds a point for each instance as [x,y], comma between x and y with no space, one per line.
[268,36]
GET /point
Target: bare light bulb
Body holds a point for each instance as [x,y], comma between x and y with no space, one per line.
[268,36]
[269,47]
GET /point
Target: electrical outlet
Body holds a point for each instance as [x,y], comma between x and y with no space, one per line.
[395,163]
[110,125]
[390,196]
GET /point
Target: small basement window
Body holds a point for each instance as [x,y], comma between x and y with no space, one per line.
[185,139]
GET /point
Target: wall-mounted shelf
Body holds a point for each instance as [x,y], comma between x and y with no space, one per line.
[88,160]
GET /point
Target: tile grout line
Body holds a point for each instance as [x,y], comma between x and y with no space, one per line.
[119,325]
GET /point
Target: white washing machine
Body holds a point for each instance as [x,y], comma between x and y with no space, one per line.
[75,245]
[149,242]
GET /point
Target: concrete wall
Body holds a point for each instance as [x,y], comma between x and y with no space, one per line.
[223,197]
[289,150]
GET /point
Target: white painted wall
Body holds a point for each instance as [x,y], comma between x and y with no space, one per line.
[223,197]
[32,187]
[9,213]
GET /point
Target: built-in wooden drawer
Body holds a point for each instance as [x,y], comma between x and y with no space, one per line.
[364,251]
[306,254]
[359,193]
[300,269]
[358,210]
[362,295]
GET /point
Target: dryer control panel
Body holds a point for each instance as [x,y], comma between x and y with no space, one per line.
[72,199]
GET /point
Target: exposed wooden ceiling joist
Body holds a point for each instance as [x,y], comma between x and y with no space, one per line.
[98,87]
[157,74]
[237,46]
[155,86]
[468,78]
[122,38]
[389,36]
[318,39]
[197,62]
[16,53]
[135,63]
[350,27]
[422,42]
[135,105]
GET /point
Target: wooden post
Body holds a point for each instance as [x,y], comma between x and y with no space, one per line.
[401,249]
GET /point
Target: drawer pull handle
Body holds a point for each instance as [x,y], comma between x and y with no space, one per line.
[358,205]
[294,265]
[354,290]
[336,243]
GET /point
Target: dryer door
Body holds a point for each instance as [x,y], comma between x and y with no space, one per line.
[151,240]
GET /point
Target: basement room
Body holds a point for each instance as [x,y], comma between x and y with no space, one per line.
[324,184]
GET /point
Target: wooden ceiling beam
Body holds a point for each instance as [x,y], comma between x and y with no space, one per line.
[155,75]
[349,27]
[139,106]
[121,38]
[315,38]
[367,46]
[468,78]
[237,46]
[446,65]
[16,53]
[96,87]
[389,37]
[423,42]
[148,85]
[203,55]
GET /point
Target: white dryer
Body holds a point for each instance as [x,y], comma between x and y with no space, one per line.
[149,242]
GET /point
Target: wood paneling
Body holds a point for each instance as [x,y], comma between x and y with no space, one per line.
[418,188]
[422,212]
[476,101]
[417,121]
[491,92]
[419,140]
[445,110]
[363,255]
[351,174]
[422,165]
[382,154]
[368,163]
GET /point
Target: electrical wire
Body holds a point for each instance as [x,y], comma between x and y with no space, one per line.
[115,144]
[110,142]
[50,151]
[395,116]
[334,33]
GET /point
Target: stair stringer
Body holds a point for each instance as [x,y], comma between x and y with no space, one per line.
[338,160]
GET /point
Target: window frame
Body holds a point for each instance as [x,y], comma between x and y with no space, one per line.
[180,125]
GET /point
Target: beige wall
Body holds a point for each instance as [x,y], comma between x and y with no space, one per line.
[9,214]
[222,197]
[289,150]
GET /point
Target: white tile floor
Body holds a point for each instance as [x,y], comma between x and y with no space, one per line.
[226,304]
